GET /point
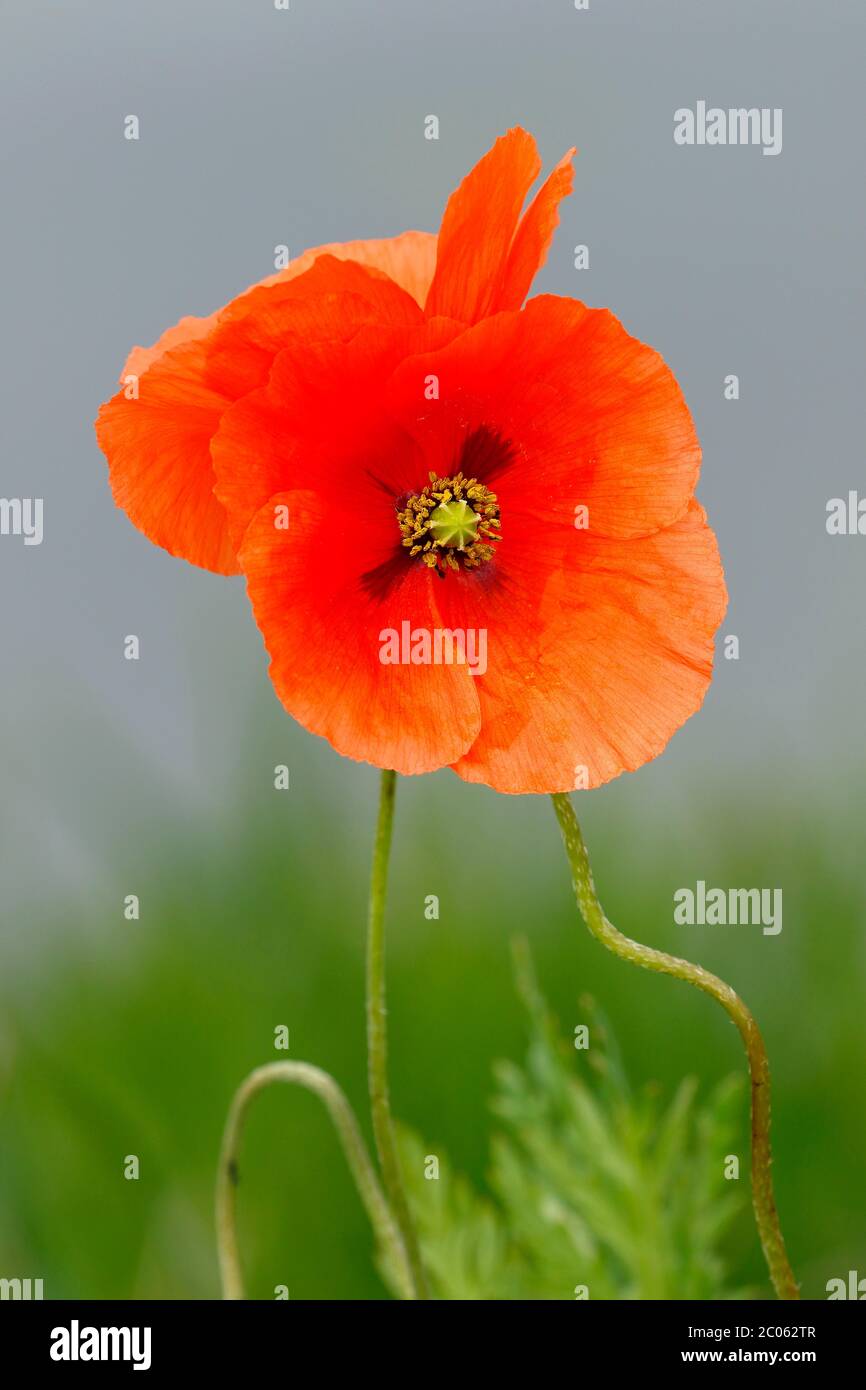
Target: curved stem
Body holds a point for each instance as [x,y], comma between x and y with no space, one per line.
[377,1036]
[326,1088]
[766,1216]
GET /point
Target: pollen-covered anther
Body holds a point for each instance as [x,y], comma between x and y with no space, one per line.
[452,523]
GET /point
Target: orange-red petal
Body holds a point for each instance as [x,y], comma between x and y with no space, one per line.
[158,450]
[320,423]
[331,300]
[322,608]
[593,667]
[594,418]
[185,331]
[157,435]
[486,256]
[528,250]
[408,259]
[478,226]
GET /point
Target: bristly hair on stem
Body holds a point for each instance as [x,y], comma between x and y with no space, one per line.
[763,1199]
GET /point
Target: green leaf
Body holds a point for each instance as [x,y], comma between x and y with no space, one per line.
[588,1184]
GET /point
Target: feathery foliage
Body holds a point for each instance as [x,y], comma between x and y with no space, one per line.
[591,1187]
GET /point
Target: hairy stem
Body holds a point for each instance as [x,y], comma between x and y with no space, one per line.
[326,1088]
[377,1037]
[766,1216]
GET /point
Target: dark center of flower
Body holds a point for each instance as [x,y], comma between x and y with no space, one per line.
[452,523]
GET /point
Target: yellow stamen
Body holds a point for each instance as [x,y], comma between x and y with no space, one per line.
[451,523]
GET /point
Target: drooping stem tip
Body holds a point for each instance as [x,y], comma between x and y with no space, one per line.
[354,1148]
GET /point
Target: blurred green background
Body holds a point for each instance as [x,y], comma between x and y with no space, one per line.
[261,129]
[128,1037]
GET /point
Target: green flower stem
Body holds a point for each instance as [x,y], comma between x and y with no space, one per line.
[354,1148]
[766,1216]
[377,1037]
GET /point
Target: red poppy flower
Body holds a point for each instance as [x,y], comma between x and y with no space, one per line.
[467,527]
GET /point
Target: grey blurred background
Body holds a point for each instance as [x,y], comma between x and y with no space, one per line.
[261,127]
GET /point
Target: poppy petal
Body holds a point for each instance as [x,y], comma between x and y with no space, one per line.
[618,437]
[592,668]
[186,331]
[330,300]
[594,418]
[324,622]
[528,250]
[408,259]
[158,442]
[480,220]
[319,423]
[158,450]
